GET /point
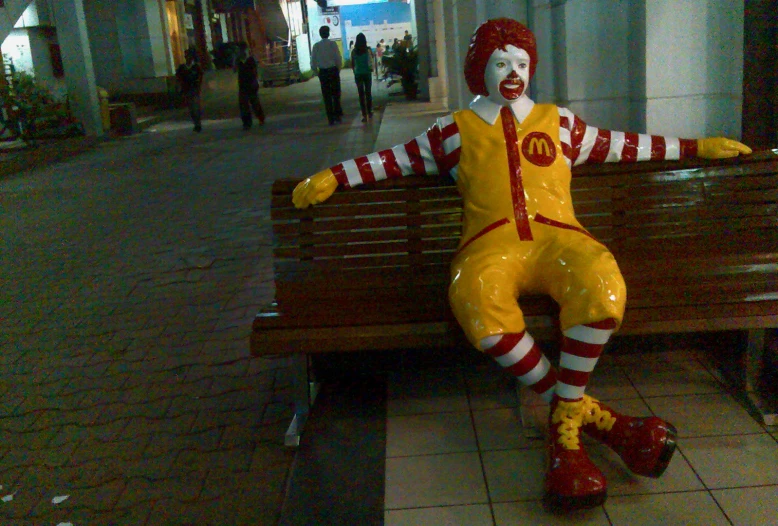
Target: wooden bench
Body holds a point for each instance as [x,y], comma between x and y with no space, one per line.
[697,243]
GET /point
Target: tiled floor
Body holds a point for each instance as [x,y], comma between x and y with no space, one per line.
[455,452]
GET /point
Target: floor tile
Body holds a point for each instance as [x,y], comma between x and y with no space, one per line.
[688,509]
[515,474]
[678,477]
[490,387]
[749,506]
[659,358]
[672,378]
[531,513]
[610,382]
[475,515]
[733,461]
[501,429]
[434,480]
[704,415]
[430,434]
[416,392]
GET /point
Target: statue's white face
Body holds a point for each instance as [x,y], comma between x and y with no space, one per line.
[507,75]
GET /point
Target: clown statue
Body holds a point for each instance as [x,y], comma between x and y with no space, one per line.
[512,160]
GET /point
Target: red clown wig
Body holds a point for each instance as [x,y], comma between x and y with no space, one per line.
[492,35]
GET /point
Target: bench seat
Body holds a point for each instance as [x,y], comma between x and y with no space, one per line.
[696,241]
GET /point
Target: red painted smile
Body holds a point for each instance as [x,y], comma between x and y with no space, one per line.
[511,88]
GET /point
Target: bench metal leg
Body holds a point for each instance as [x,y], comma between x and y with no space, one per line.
[304,391]
[757,358]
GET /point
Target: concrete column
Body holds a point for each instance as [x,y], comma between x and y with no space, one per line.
[590,41]
[142,35]
[77,60]
[516,10]
[458,20]
[419,23]
[694,67]
[439,83]
[543,85]
[464,20]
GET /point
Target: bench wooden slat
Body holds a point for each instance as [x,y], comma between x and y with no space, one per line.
[692,216]
[696,241]
[717,227]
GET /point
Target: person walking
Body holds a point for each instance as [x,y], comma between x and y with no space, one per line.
[379,53]
[248,87]
[326,62]
[190,80]
[362,64]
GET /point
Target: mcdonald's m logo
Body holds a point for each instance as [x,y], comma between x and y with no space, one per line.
[539,149]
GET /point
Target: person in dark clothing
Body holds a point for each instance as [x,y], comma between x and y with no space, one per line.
[190,80]
[326,62]
[248,87]
[362,64]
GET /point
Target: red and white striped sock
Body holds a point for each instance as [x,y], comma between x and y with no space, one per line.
[581,348]
[519,354]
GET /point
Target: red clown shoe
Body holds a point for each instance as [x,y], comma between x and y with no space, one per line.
[646,445]
[572,481]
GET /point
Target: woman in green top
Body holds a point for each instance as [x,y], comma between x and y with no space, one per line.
[362,64]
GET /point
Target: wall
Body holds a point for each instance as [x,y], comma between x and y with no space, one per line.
[142,36]
[104,43]
[41,40]
[9,15]
[29,48]
[17,47]
[387,20]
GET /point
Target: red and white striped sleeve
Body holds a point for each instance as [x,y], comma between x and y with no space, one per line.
[435,151]
[584,144]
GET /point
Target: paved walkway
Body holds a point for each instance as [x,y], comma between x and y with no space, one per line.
[130,275]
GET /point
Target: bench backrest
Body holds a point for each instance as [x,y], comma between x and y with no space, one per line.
[393,241]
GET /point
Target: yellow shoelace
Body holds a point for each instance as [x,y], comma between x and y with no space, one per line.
[594,413]
[569,416]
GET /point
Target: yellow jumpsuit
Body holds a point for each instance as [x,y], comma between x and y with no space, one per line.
[520,234]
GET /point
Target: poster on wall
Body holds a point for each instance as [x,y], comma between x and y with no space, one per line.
[375,32]
[330,17]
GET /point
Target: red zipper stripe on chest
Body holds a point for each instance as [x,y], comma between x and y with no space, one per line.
[514,169]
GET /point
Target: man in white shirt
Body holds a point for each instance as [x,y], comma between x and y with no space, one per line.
[326,61]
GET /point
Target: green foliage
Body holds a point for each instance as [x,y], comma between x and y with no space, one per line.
[29,104]
[25,93]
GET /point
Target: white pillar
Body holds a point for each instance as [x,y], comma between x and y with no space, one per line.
[421,32]
[439,83]
[672,67]
[516,9]
[77,60]
[694,67]
[589,44]
[464,20]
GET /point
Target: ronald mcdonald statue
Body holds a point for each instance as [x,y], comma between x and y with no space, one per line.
[512,160]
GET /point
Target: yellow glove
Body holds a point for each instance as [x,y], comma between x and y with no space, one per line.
[720,148]
[315,189]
